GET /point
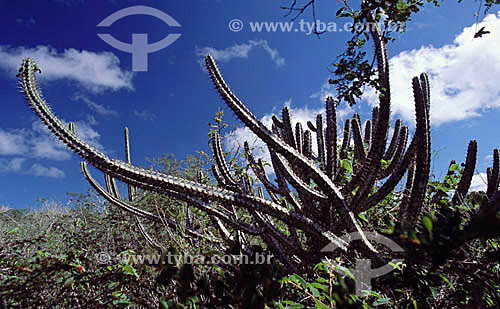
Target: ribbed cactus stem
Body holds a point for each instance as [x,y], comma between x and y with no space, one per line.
[331,138]
[493,179]
[131,189]
[465,181]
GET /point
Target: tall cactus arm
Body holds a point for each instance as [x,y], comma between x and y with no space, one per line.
[131,189]
[398,154]
[370,169]
[218,177]
[367,140]
[359,149]
[346,139]
[374,119]
[494,175]
[465,181]
[223,168]
[282,184]
[404,208]
[299,137]
[259,171]
[426,90]
[422,168]
[320,140]
[307,147]
[395,138]
[111,186]
[392,181]
[331,138]
[287,128]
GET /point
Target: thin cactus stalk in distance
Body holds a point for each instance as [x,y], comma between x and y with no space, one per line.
[312,200]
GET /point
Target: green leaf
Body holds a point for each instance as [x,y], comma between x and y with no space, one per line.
[293,304]
[314,291]
[298,279]
[427,222]
[381,301]
[447,281]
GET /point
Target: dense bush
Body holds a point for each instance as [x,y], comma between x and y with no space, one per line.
[49,258]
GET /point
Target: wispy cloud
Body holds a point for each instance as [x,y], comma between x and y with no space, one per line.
[26,20]
[145,115]
[12,142]
[463,76]
[241,51]
[40,170]
[94,71]
[18,146]
[98,108]
[12,165]
[15,165]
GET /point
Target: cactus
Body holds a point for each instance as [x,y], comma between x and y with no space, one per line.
[310,195]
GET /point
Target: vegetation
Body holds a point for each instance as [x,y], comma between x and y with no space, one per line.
[117,251]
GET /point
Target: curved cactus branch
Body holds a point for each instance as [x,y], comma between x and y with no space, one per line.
[331,138]
[320,141]
[346,139]
[299,137]
[493,178]
[465,181]
[367,140]
[222,166]
[367,176]
[287,128]
[422,167]
[395,138]
[398,154]
[359,149]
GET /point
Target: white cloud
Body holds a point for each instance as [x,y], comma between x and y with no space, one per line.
[48,146]
[241,51]
[94,71]
[98,108]
[145,115]
[463,76]
[12,143]
[13,165]
[478,182]
[40,170]
[39,143]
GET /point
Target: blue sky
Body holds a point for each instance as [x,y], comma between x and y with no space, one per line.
[168,107]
